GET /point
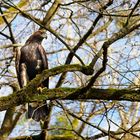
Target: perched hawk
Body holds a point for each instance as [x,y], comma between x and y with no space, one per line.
[30,61]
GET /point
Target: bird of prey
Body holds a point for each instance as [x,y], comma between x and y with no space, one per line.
[31,60]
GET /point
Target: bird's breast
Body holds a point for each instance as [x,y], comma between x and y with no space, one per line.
[32,58]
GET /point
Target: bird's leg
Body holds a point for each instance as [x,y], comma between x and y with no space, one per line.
[40,88]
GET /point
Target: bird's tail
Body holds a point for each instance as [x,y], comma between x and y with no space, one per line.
[37,111]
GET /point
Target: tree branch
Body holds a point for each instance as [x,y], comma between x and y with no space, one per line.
[21,97]
[81,41]
[30,92]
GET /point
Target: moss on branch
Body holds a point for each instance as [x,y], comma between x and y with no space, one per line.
[50,137]
[64,94]
[30,92]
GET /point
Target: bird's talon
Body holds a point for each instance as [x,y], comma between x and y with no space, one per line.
[40,89]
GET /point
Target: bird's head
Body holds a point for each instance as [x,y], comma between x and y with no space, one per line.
[38,36]
[41,33]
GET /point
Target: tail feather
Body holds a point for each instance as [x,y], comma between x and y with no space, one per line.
[37,111]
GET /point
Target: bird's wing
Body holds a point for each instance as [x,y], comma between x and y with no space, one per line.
[45,63]
[43,56]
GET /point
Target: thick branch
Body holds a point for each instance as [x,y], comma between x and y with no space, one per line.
[27,94]
[21,97]
[103,94]
[51,137]
[51,12]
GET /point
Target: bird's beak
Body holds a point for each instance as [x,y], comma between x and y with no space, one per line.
[45,36]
